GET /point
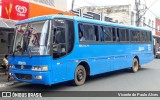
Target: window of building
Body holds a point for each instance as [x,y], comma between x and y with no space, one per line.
[149,23]
[144,20]
[152,24]
[158,28]
[132,18]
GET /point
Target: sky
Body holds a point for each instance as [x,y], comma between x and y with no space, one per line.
[153,5]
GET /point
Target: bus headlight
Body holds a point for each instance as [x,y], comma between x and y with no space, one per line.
[40,68]
[11,67]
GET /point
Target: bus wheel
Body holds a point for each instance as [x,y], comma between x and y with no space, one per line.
[79,75]
[135,65]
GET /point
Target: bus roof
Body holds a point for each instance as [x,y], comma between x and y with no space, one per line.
[79,19]
[41,18]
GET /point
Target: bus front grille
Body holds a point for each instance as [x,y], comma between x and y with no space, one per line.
[23,67]
[24,76]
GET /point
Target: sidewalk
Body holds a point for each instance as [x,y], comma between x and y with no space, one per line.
[3,79]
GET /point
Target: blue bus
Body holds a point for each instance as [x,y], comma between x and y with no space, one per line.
[57,48]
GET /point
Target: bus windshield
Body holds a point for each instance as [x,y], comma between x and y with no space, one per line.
[32,39]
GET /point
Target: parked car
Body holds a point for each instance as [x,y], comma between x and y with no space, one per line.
[158,53]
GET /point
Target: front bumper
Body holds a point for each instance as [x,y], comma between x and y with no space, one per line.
[30,76]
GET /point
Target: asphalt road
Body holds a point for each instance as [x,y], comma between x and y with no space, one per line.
[146,79]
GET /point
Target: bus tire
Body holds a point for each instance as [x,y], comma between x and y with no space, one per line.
[135,65]
[79,76]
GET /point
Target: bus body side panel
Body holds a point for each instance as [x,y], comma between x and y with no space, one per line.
[122,56]
[143,51]
[98,60]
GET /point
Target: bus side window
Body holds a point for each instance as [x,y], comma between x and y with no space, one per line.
[138,36]
[145,36]
[108,34]
[124,35]
[91,32]
[133,35]
[59,39]
[149,36]
[70,36]
[81,32]
[113,34]
[101,33]
[127,34]
[118,35]
[142,36]
[96,33]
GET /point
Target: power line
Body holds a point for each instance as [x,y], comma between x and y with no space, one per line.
[77,6]
[89,3]
[73,3]
[150,27]
[152,4]
[153,13]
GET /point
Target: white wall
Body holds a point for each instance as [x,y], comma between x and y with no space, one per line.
[56,4]
[61,4]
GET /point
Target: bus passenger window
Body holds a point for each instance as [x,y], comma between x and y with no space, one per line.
[96,33]
[138,35]
[124,34]
[108,34]
[86,32]
[101,33]
[81,37]
[80,33]
[70,36]
[133,35]
[113,34]
[118,35]
[149,36]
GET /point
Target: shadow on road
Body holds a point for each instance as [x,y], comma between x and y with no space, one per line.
[113,74]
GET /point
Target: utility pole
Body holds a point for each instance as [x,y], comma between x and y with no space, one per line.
[138,17]
[72,4]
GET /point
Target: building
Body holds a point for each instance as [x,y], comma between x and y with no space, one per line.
[157,35]
[118,13]
[54,4]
